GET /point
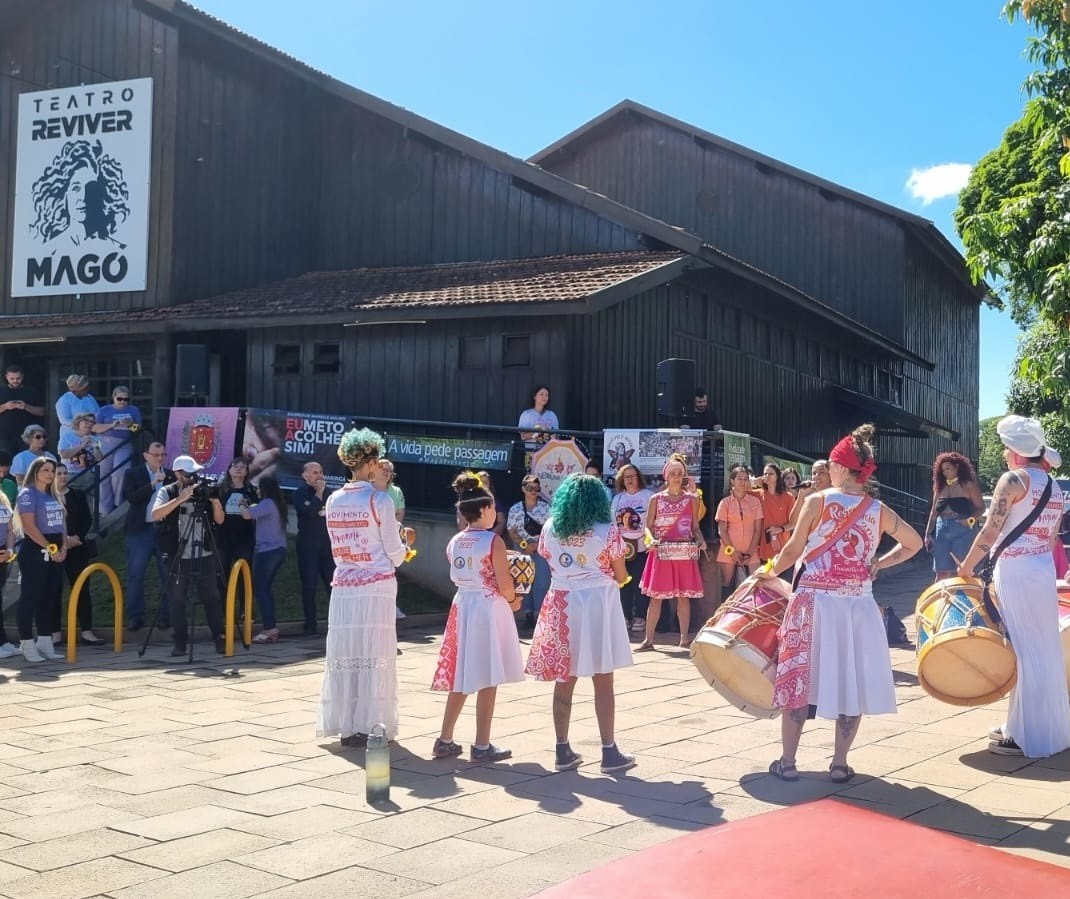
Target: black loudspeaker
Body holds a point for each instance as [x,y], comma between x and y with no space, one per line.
[191,369]
[676,387]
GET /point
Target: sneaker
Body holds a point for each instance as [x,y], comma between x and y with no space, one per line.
[995,734]
[446,749]
[8,650]
[178,651]
[30,652]
[1006,746]
[491,754]
[220,645]
[613,760]
[355,741]
[567,759]
[398,614]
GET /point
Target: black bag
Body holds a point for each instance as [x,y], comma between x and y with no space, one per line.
[533,527]
[894,628]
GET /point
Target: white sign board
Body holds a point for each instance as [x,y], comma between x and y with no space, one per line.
[82,189]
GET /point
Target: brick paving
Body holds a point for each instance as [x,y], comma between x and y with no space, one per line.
[125,778]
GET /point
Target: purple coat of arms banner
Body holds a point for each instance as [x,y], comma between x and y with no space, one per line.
[205,433]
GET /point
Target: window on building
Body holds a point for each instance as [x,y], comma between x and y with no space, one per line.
[475,353]
[516,351]
[133,372]
[326,359]
[890,387]
[287,359]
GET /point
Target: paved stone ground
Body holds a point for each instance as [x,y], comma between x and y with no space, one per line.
[127,778]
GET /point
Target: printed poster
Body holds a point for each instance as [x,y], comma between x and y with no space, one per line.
[736,452]
[649,450]
[83,160]
[205,433]
[279,443]
[554,461]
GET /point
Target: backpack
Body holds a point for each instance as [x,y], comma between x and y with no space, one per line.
[894,627]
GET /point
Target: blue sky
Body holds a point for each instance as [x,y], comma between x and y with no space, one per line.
[864,94]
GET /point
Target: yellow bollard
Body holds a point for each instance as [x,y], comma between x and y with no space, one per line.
[72,608]
[239,569]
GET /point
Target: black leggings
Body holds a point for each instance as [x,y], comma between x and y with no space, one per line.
[42,587]
[78,560]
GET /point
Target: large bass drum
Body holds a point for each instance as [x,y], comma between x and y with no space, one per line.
[736,649]
[964,658]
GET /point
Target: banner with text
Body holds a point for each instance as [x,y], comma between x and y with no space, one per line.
[83,160]
[205,433]
[455,452]
[279,443]
[648,450]
[736,452]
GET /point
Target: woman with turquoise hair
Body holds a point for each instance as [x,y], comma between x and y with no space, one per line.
[581,630]
[360,684]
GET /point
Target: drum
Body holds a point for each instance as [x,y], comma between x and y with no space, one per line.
[963,657]
[522,571]
[1064,625]
[736,650]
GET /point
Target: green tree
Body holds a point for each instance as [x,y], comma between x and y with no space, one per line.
[990,459]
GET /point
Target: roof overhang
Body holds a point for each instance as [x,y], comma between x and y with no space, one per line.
[892,420]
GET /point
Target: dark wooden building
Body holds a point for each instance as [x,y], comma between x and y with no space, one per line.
[340,254]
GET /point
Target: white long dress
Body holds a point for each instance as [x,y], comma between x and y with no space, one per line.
[581,629]
[360,683]
[480,647]
[1039,715]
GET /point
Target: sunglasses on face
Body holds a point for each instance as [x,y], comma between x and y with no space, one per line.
[531,488]
[121,399]
[38,436]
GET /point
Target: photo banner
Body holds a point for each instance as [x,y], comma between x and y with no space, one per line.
[205,433]
[83,161]
[649,450]
[455,452]
[279,443]
[736,452]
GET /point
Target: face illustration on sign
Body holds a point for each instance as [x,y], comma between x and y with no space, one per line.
[81,197]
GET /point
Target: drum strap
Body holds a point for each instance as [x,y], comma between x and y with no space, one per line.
[988,567]
[856,513]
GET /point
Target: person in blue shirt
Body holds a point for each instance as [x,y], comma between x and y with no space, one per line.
[269,552]
[115,428]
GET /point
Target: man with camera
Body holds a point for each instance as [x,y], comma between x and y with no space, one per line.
[186,511]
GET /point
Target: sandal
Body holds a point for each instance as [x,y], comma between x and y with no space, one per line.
[268,636]
[840,774]
[645,646]
[785,771]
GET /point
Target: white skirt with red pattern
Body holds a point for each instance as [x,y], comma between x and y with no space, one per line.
[480,647]
[580,632]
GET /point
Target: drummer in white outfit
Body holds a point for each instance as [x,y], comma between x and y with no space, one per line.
[581,630]
[833,647]
[480,648]
[360,683]
[1038,722]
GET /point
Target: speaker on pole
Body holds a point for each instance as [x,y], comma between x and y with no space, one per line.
[191,369]
[676,387]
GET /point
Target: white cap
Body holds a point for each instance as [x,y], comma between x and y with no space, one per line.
[187,464]
[1022,435]
[1052,457]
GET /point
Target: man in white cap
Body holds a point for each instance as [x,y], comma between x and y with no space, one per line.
[187,549]
[1038,722]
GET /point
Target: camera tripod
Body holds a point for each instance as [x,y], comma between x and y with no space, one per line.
[187,574]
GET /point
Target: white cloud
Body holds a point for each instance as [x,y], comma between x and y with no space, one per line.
[938,181]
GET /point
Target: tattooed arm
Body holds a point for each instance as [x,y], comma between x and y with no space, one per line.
[1009,489]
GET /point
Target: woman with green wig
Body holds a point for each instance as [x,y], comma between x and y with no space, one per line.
[581,630]
[360,684]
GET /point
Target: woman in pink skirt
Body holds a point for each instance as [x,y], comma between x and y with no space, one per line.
[480,648]
[675,541]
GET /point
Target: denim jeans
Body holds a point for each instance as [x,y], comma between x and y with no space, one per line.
[265,566]
[533,601]
[314,563]
[140,548]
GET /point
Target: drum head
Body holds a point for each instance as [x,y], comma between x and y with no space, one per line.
[967,669]
[739,672]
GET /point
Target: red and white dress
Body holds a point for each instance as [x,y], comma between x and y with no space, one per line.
[672,566]
[360,684]
[833,649]
[581,629]
[481,647]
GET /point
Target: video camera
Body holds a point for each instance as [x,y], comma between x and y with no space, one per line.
[205,487]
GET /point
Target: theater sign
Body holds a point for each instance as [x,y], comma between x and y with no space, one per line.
[82,189]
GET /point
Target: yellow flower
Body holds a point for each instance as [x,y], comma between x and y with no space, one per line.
[410,555]
[728,550]
[970,522]
[768,566]
[134,428]
[52,549]
[648,540]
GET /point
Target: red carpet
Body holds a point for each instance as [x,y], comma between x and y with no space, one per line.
[825,849]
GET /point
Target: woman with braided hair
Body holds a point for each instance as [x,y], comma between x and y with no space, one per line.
[833,651]
[360,685]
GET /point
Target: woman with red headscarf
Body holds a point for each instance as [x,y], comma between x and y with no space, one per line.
[833,647]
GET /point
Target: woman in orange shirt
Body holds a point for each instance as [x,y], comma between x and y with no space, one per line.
[739,525]
[777,503]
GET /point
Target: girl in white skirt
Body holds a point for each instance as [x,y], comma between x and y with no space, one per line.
[833,651]
[480,648]
[360,683]
[581,630]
